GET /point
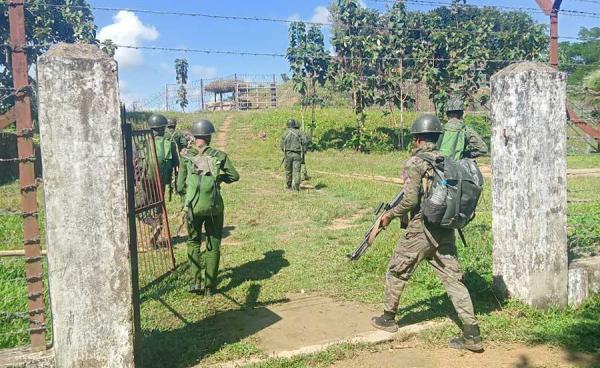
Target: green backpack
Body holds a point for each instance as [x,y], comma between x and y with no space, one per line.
[452,143]
[206,199]
[164,157]
[453,196]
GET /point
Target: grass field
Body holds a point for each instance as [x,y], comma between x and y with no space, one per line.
[280,243]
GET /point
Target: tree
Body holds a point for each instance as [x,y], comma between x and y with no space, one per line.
[359,49]
[392,84]
[45,25]
[574,54]
[316,64]
[469,44]
[181,73]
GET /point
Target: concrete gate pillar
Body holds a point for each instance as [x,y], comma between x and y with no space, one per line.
[529,184]
[86,214]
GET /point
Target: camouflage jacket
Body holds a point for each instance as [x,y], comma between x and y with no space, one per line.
[293,140]
[417,176]
[474,144]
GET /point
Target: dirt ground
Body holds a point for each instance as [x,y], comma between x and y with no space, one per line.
[510,355]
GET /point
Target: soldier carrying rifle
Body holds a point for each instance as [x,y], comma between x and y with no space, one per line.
[424,240]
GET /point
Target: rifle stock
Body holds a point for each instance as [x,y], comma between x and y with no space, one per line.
[374,229]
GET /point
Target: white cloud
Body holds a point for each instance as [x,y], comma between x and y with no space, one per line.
[128,29]
[294,17]
[321,15]
[362,3]
[201,71]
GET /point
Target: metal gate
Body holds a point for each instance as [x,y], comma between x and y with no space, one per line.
[148,221]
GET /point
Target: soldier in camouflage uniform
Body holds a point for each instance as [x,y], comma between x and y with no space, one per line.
[201,172]
[293,144]
[459,140]
[423,241]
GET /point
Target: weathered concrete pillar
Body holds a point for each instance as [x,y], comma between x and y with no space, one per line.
[86,215]
[529,183]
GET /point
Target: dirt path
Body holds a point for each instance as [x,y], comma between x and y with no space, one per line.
[220,141]
[508,355]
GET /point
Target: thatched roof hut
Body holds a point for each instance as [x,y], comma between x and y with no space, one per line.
[221,86]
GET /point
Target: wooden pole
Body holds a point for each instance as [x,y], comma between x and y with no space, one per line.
[27,181]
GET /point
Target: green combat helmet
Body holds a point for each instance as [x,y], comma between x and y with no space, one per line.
[202,128]
[171,122]
[427,123]
[292,123]
[455,104]
[157,121]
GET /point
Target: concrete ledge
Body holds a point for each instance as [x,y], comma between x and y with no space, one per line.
[371,337]
[25,358]
[584,279]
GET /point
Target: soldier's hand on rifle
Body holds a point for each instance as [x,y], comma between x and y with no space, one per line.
[385,220]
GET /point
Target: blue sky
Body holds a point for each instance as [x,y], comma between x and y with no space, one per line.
[144,73]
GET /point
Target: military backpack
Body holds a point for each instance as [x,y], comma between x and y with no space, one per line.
[452,197]
[207,169]
[452,142]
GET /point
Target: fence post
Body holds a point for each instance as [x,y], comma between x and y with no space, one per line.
[27,181]
[529,183]
[201,94]
[86,206]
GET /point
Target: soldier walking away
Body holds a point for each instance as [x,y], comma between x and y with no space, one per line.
[424,241]
[293,145]
[201,172]
[166,150]
[179,138]
[459,140]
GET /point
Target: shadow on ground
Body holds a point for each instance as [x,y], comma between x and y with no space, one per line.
[482,294]
[261,269]
[194,341]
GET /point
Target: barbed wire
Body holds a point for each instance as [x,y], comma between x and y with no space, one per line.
[289,21]
[275,54]
[571,12]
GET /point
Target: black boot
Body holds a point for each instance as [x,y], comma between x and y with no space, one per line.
[385,322]
[470,339]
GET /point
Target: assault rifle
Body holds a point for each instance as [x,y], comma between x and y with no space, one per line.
[375,229]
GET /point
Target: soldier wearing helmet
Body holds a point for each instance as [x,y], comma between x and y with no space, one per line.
[459,140]
[201,172]
[166,150]
[424,241]
[293,145]
[175,135]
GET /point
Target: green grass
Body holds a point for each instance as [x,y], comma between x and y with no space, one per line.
[280,243]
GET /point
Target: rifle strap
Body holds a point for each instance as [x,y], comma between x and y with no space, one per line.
[462,237]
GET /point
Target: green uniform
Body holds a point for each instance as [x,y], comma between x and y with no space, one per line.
[168,159]
[461,141]
[293,145]
[420,242]
[200,188]
[178,138]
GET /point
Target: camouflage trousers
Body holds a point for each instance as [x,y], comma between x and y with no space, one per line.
[292,163]
[416,247]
